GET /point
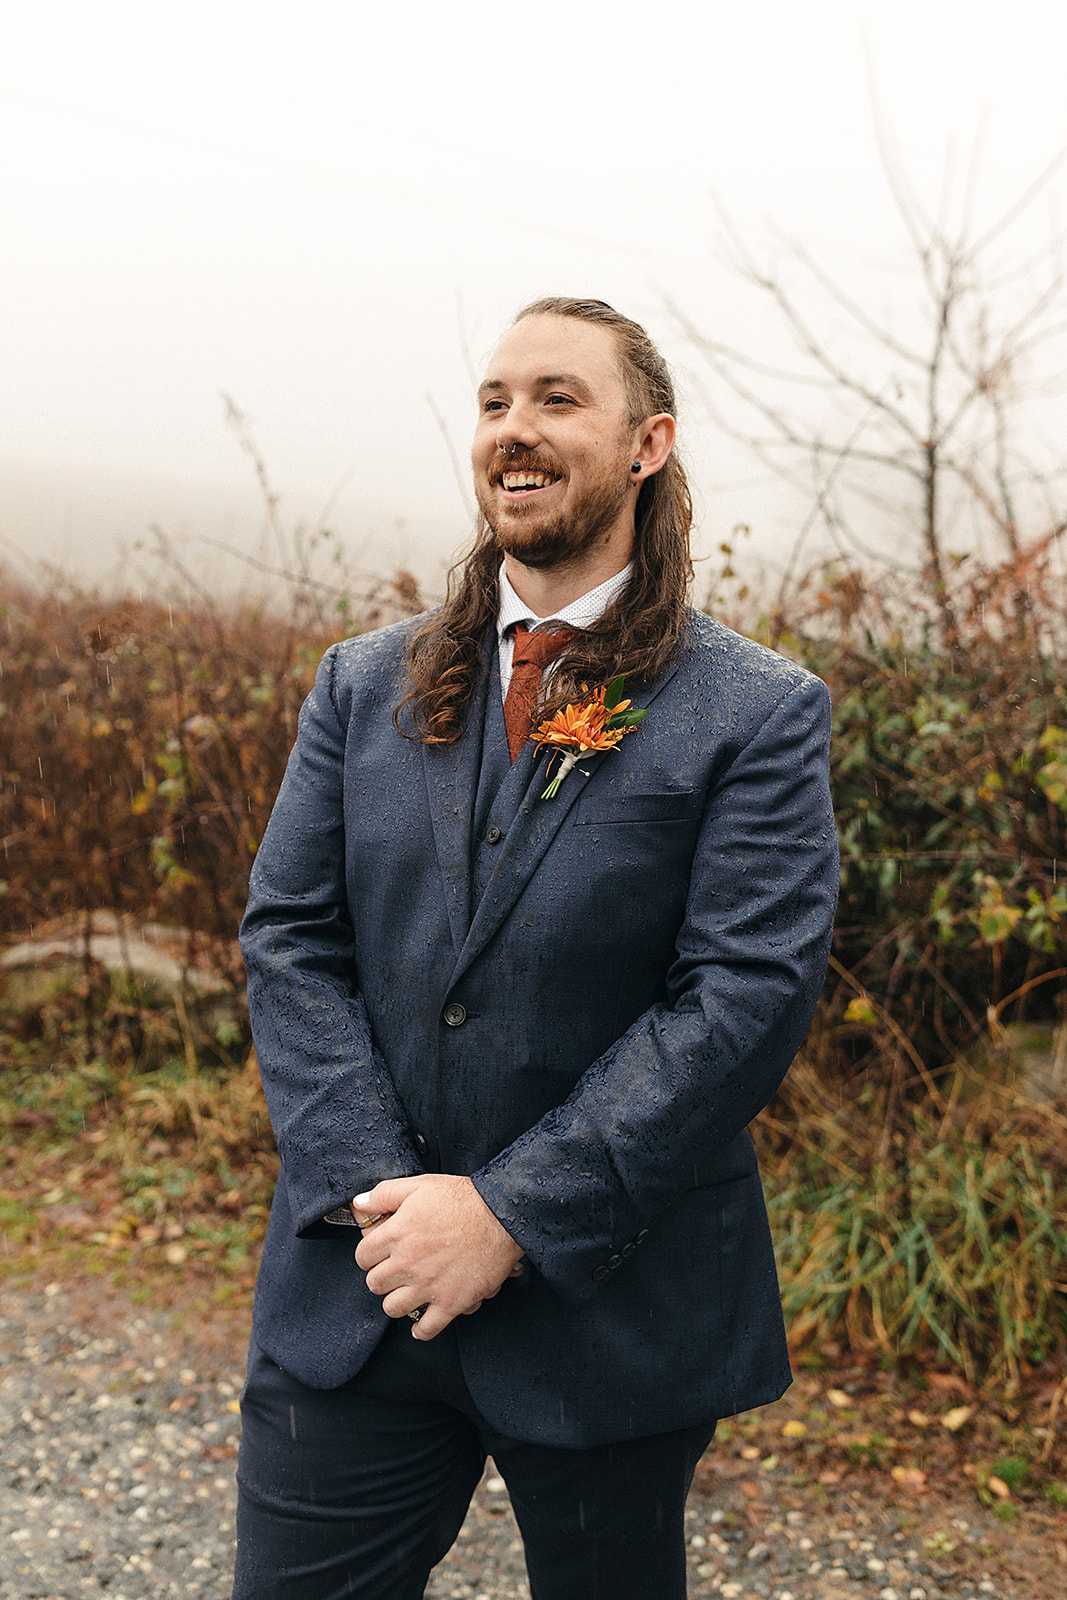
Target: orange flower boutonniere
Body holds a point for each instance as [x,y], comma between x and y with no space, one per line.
[596,724]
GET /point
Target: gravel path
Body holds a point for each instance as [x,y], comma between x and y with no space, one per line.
[119,1445]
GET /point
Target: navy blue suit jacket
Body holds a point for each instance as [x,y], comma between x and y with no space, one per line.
[588,1042]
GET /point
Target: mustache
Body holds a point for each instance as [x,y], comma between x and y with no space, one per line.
[523,465]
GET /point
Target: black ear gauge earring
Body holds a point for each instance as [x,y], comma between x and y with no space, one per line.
[636,467]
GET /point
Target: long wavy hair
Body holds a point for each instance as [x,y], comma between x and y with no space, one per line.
[637,634]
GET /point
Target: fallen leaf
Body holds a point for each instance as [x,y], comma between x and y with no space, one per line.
[953,1420]
[220,1452]
[948,1380]
[998,1486]
[838,1397]
[794,1429]
[909,1477]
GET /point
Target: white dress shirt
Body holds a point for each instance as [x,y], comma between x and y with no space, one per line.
[579,614]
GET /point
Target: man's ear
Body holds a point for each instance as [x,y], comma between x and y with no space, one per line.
[654,441]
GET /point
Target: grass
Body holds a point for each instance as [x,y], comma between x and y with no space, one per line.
[148,1161]
[945,1241]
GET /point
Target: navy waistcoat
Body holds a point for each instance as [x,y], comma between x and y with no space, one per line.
[502,784]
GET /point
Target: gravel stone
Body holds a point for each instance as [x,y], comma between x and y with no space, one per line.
[119,1449]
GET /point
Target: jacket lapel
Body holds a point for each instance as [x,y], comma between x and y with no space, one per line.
[535,825]
[451,773]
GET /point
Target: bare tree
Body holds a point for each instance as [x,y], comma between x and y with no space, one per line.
[940,423]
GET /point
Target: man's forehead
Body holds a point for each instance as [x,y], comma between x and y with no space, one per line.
[542,350]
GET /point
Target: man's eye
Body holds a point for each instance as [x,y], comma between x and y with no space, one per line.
[491,405]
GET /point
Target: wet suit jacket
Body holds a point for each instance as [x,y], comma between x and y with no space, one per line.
[584,1020]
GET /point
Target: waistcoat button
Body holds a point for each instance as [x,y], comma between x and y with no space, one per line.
[454,1014]
[494,835]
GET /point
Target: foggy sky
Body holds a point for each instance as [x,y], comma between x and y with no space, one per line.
[330,217]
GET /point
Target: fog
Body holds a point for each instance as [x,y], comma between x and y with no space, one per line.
[329,217]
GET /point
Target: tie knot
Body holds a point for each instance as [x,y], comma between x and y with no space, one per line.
[540,647]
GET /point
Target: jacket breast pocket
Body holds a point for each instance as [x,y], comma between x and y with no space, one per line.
[666,805]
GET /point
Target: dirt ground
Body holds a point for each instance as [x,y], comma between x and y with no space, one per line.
[121,1424]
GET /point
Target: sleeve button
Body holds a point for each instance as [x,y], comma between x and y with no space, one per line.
[628,1249]
[614,1261]
[639,1238]
[600,1272]
[420,1142]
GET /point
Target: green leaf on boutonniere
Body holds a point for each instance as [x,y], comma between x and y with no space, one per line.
[613,692]
[627,719]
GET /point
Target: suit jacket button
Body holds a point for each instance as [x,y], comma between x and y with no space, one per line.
[639,1238]
[614,1261]
[600,1272]
[494,835]
[454,1014]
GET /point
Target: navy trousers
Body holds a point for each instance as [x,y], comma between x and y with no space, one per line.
[357,1492]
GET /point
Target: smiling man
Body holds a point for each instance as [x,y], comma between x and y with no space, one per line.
[515,1034]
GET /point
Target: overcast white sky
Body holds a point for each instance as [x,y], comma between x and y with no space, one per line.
[330,214]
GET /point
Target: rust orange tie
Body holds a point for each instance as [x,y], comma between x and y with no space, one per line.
[533,652]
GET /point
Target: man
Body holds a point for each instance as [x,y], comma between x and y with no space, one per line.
[520,1038]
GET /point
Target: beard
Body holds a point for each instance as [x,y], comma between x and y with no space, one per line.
[541,542]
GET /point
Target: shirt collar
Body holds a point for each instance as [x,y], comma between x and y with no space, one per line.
[579,613]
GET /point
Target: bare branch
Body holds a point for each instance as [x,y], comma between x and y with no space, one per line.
[848,304]
[906,204]
[457,471]
[810,345]
[787,431]
[1002,280]
[464,345]
[237,420]
[821,499]
[1029,194]
[716,347]
[972,178]
[331,499]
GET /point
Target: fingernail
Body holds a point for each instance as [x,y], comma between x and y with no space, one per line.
[363,1199]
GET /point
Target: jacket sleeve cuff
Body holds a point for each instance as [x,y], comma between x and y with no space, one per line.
[573,1260]
[320,1216]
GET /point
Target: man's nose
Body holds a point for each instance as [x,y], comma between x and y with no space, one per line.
[516,429]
